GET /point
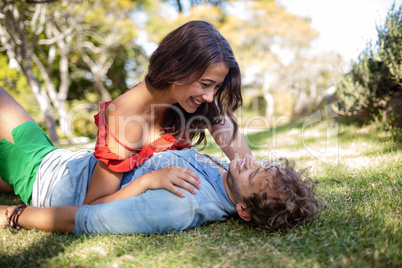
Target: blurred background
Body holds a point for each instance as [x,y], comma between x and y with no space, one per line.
[60,58]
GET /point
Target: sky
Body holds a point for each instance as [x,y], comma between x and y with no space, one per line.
[345,26]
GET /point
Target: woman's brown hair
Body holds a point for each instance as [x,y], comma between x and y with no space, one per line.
[184,55]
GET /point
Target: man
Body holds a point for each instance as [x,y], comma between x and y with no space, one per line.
[262,193]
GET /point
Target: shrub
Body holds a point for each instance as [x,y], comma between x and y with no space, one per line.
[375,78]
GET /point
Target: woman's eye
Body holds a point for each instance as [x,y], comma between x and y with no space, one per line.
[204,85]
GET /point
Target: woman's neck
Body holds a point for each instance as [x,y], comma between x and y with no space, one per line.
[155,102]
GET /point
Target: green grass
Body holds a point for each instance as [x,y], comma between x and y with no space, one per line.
[360,226]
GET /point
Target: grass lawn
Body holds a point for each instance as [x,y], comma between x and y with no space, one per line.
[359,183]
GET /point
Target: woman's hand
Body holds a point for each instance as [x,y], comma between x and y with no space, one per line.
[165,178]
[170,177]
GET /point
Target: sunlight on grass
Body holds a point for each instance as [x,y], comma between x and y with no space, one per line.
[360,225]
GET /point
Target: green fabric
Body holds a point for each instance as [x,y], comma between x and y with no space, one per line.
[19,161]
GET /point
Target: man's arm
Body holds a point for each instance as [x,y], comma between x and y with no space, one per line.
[155,211]
[55,219]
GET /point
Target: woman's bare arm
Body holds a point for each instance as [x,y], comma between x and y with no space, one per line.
[222,134]
[165,178]
[104,182]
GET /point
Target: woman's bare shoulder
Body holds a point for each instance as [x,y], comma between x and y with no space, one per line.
[126,104]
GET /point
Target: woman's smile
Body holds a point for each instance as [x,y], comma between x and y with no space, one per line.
[196,102]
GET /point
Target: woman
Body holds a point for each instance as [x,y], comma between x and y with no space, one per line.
[193,82]
[30,166]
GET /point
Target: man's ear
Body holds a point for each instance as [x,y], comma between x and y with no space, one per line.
[243,212]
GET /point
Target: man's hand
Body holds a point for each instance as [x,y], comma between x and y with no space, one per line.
[3,220]
[170,177]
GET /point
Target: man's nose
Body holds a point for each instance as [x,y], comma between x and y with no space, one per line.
[252,162]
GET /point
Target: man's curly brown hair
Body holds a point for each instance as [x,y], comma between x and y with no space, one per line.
[293,203]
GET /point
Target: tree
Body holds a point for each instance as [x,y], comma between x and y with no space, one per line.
[56,37]
[18,39]
[258,37]
[106,29]
[17,82]
[178,4]
[309,77]
[267,32]
[376,77]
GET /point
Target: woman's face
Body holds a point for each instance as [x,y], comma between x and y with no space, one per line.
[191,96]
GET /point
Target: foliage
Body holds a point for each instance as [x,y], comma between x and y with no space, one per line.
[93,39]
[82,113]
[263,30]
[105,42]
[16,84]
[260,35]
[253,36]
[20,41]
[179,4]
[309,78]
[376,76]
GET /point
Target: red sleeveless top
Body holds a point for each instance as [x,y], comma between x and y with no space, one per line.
[116,163]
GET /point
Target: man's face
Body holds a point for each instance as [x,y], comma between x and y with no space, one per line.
[248,176]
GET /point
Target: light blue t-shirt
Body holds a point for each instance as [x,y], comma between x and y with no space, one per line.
[155,211]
